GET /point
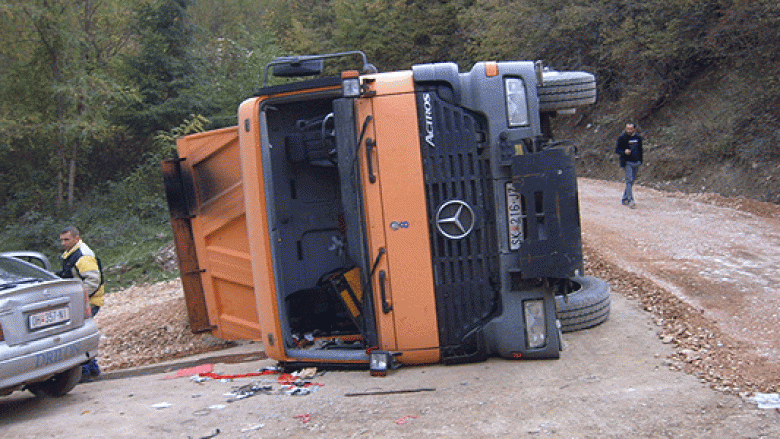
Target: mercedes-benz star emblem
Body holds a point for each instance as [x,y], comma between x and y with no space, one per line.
[455,219]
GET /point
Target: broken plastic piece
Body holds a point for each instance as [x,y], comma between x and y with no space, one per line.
[402,420]
[306,417]
[247,391]
[231,377]
[197,370]
[252,428]
[766,400]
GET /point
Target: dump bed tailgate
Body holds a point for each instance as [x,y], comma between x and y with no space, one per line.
[205,197]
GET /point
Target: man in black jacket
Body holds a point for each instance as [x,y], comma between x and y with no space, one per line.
[629,149]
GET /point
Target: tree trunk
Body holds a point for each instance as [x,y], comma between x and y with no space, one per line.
[58,197]
[71,182]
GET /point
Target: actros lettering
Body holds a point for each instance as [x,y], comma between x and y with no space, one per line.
[428,119]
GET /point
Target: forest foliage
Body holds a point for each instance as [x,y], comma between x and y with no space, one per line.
[94,91]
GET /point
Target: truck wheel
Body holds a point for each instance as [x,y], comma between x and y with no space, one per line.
[585,307]
[58,385]
[566,90]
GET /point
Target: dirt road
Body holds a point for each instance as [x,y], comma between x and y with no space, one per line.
[718,256]
[719,259]
[705,271]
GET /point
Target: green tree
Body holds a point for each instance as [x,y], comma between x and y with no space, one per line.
[162,69]
[395,33]
[231,70]
[58,103]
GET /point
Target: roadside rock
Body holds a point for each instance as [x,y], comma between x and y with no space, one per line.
[147,324]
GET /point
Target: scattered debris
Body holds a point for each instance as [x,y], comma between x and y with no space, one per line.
[309,372]
[402,420]
[192,371]
[766,400]
[271,369]
[248,390]
[391,392]
[291,384]
[216,376]
[252,428]
[306,417]
[216,432]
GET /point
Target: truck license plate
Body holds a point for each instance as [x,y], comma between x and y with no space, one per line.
[48,318]
[514,212]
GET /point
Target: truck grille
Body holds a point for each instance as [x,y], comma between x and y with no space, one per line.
[462,227]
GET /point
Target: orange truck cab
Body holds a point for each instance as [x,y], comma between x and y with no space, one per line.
[375,219]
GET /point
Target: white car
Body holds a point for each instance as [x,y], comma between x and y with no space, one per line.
[46,328]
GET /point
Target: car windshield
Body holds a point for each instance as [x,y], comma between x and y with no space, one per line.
[14,272]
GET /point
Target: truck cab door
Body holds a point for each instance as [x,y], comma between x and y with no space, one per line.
[397,225]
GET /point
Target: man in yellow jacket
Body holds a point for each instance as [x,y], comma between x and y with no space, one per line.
[80,262]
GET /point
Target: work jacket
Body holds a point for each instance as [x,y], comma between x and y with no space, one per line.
[80,263]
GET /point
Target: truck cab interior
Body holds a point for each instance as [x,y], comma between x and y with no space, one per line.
[316,227]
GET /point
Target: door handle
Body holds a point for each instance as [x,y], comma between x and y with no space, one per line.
[370,144]
[386,307]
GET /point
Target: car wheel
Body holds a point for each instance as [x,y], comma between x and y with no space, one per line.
[585,307]
[58,385]
[566,90]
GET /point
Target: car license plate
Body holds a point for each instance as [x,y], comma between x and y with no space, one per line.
[514,212]
[48,318]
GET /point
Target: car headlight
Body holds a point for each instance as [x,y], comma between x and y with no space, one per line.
[535,325]
[516,102]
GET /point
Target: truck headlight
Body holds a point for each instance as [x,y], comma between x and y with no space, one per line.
[381,361]
[516,102]
[535,326]
[350,84]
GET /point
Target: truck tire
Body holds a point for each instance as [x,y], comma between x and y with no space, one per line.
[585,307]
[566,90]
[58,385]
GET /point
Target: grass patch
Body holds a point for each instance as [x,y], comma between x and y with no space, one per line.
[126,223]
[144,258]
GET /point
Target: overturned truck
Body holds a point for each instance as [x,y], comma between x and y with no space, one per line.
[373,219]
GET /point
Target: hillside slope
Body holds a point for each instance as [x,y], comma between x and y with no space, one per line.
[721,135]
